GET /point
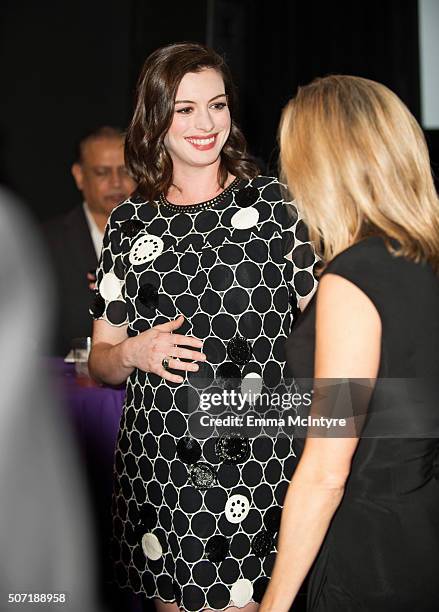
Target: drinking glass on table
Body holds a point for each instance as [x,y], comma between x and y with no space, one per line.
[81,350]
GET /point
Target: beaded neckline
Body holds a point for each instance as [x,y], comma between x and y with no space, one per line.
[188,208]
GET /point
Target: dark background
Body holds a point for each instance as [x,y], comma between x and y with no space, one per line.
[70,66]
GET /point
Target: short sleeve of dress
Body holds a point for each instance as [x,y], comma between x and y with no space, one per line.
[299,252]
[109,301]
[369,266]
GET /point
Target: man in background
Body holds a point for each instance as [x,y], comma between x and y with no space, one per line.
[74,240]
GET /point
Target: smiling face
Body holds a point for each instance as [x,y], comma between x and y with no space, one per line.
[201,122]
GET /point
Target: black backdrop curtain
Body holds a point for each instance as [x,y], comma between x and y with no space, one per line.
[67,67]
[64,71]
[276,46]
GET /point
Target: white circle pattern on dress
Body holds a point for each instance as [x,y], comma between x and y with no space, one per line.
[245,218]
[241,592]
[237,508]
[110,287]
[145,249]
[251,386]
[229,283]
[151,546]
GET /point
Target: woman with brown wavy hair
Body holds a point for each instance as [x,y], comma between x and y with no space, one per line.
[206,255]
[363,506]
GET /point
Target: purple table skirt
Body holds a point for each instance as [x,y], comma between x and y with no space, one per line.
[95,412]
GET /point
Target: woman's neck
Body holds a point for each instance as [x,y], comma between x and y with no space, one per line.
[191,185]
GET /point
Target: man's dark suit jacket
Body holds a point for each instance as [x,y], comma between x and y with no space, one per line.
[72,255]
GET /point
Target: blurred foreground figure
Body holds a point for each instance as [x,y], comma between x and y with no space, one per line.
[75,238]
[44,536]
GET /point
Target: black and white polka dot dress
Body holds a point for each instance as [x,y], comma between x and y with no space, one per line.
[195,515]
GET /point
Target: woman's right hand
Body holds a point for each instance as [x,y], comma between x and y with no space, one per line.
[148,349]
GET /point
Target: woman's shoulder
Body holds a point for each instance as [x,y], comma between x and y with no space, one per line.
[374,265]
[371,253]
[134,207]
[269,188]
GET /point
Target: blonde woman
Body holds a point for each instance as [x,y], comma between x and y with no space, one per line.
[363,513]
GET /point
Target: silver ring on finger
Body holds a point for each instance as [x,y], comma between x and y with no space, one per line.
[165,362]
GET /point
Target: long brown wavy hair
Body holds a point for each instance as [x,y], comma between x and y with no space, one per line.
[145,153]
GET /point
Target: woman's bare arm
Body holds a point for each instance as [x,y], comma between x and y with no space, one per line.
[108,362]
[114,355]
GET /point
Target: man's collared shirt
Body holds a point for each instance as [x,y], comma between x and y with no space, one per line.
[96,235]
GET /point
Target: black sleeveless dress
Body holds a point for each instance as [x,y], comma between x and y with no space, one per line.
[381,552]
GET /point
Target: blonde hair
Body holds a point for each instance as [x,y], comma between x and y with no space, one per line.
[356,162]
